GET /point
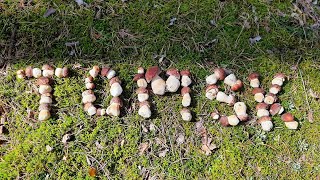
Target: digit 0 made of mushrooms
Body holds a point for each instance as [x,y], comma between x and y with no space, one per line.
[88,96]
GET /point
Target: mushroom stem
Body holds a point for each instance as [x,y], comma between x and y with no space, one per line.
[222,97]
[158,85]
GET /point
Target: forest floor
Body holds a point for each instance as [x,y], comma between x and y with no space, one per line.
[242,36]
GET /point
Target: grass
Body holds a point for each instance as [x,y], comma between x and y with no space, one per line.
[137,33]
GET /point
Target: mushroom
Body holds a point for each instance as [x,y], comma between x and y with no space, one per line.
[212,91]
[88,98]
[240,109]
[237,86]
[144,109]
[101,112]
[266,123]
[254,80]
[275,89]
[215,115]
[186,98]
[90,85]
[185,78]
[279,79]
[142,94]
[90,109]
[233,120]
[29,72]
[45,100]
[36,72]
[289,121]
[88,79]
[94,72]
[87,92]
[258,94]
[47,70]
[65,72]
[115,89]
[158,85]
[114,108]
[45,89]
[21,74]
[222,97]
[276,108]
[224,121]
[44,107]
[173,81]
[44,115]
[232,81]
[104,71]
[219,74]
[262,110]
[140,70]
[186,114]
[59,72]
[270,98]
[141,81]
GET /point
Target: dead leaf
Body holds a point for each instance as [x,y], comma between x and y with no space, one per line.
[152,127]
[180,139]
[255,39]
[92,171]
[66,138]
[81,2]
[99,146]
[77,66]
[143,147]
[144,129]
[163,153]
[310,116]
[313,94]
[49,148]
[208,147]
[49,12]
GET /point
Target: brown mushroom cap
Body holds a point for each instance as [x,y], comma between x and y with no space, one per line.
[29,72]
[43,81]
[90,78]
[212,86]
[275,108]
[116,100]
[185,90]
[276,86]
[114,80]
[262,105]
[264,118]
[237,86]
[138,76]
[104,71]
[96,68]
[220,73]
[152,72]
[253,76]
[258,90]
[224,121]
[142,90]
[47,67]
[173,72]
[287,117]
[185,73]
[65,72]
[280,75]
[144,103]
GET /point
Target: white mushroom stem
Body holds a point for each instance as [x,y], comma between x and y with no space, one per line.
[292,125]
[278,81]
[212,79]
[36,72]
[255,83]
[185,81]
[48,72]
[240,109]
[111,73]
[88,98]
[92,110]
[116,89]
[94,72]
[266,125]
[230,80]
[222,97]
[45,89]
[186,114]
[44,115]
[143,97]
[233,120]
[262,112]
[186,100]
[172,84]
[114,109]
[142,83]
[45,100]
[259,97]
[59,72]
[144,111]
[158,85]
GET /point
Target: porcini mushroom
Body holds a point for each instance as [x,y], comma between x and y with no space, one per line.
[115,89]
[173,81]
[59,72]
[279,79]
[262,110]
[254,80]
[21,74]
[94,72]
[45,89]
[232,81]
[43,81]
[104,71]
[36,72]
[141,81]
[270,98]
[88,98]
[219,74]
[65,72]
[212,91]
[289,121]
[222,97]
[258,94]
[144,109]
[47,70]
[90,109]
[276,108]
[158,85]
[215,115]
[114,108]
[142,94]
[186,98]
[101,112]
[186,114]
[140,70]
[275,89]
[45,100]
[44,107]
[266,123]
[44,115]
[185,78]
[240,109]
[29,72]
[233,120]
[224,121]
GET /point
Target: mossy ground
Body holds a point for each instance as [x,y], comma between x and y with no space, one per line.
[136,33]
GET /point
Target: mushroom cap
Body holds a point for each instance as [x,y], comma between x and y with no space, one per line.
[96,68]
[152,72]
[275,108]
[173,72]
[276,86]
[29,71]
[90,78]
[287,117]
[212,86]
[65,72]
[144,103]
[237,86]
[253,75]
[220,73]
[280,75]
[86,106]
[104,71]
[185,90]
[142,90]
[114,80]
[262,105]
[264,118]
[138,76]
[43,81]
[258,90]
[141,69]
[185,73]
[116,100]
[215,115]
[47,67]
[224,121]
